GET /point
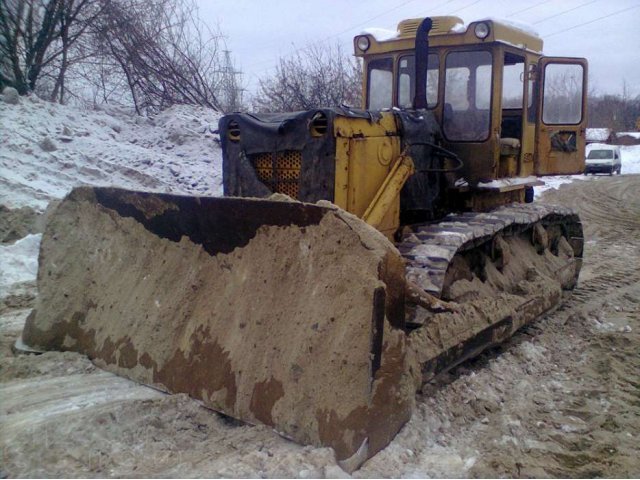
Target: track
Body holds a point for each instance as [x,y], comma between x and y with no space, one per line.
[502,269]
[430,249]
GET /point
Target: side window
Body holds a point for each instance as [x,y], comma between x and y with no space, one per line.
[380,83]
[406,74]
[483,87]
[512,81]
[532,93]
[562,94]
[467,95]
[406,80]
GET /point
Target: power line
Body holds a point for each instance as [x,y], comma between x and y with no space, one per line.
[372,18]
[591,21]
[341,32]
[465,7]
[355,26]
[528,8]
[566,11]
[254,75]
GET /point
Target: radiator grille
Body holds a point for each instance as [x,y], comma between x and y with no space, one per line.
[280,171]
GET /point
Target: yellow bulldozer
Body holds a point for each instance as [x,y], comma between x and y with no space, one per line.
[356,253]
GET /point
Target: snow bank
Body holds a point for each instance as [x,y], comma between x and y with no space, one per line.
[630,158]
[552,183]
[598,134]
[19,262]
[629,134]
[46,149]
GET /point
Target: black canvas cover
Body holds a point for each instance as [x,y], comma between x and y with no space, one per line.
[279,132]
[282,132]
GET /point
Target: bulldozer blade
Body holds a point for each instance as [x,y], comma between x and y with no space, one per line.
[274,312]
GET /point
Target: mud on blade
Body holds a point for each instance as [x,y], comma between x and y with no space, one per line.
[282,313]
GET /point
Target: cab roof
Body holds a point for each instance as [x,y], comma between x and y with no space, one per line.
[450,31]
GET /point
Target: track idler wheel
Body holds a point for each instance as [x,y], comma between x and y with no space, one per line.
[539,238]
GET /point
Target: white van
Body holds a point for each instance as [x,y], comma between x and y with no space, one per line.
[603,158]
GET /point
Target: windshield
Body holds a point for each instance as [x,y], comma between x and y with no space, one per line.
[467,95]
[406,80]
[600,154]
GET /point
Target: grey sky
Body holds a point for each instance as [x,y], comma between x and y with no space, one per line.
[606,32]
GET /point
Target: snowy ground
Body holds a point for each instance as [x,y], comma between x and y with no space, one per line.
[533,410]
[46,149]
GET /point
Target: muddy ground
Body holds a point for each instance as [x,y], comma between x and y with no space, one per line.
[561,399]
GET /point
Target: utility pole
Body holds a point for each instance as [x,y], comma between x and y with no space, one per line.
[232,90]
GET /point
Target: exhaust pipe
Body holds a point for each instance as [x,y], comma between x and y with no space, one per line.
[422,56]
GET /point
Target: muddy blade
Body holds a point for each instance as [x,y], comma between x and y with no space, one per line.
[272,312]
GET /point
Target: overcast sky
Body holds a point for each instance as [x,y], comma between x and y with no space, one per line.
[606,32]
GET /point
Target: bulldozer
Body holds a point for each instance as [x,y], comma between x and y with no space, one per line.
[356,254]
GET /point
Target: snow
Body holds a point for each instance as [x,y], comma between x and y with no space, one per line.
[46,149]
[553,183]
[507,182]
[635,135]
[380,34]
[630,159]
[523,26]
[459,28]
[18,262]
[598,134]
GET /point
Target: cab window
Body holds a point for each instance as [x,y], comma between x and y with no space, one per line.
[467,95]
[512,96]
[512,81]
[562,95]
[406,80]
[380,83]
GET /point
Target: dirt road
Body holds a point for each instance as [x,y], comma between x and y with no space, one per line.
[561,399]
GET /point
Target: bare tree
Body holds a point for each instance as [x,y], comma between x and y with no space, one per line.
[36,37]
[315,77]
[28,29]
[165,53]
[149,53]
[75,18]
[617,112]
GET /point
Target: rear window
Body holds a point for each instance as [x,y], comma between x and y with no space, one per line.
[600,154]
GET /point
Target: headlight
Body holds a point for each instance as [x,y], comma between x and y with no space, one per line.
[363,43]
[482,31]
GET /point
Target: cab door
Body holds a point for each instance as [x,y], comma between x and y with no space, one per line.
[561,116]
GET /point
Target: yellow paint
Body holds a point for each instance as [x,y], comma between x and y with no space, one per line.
[363,127]
[366,152]
[389,191]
